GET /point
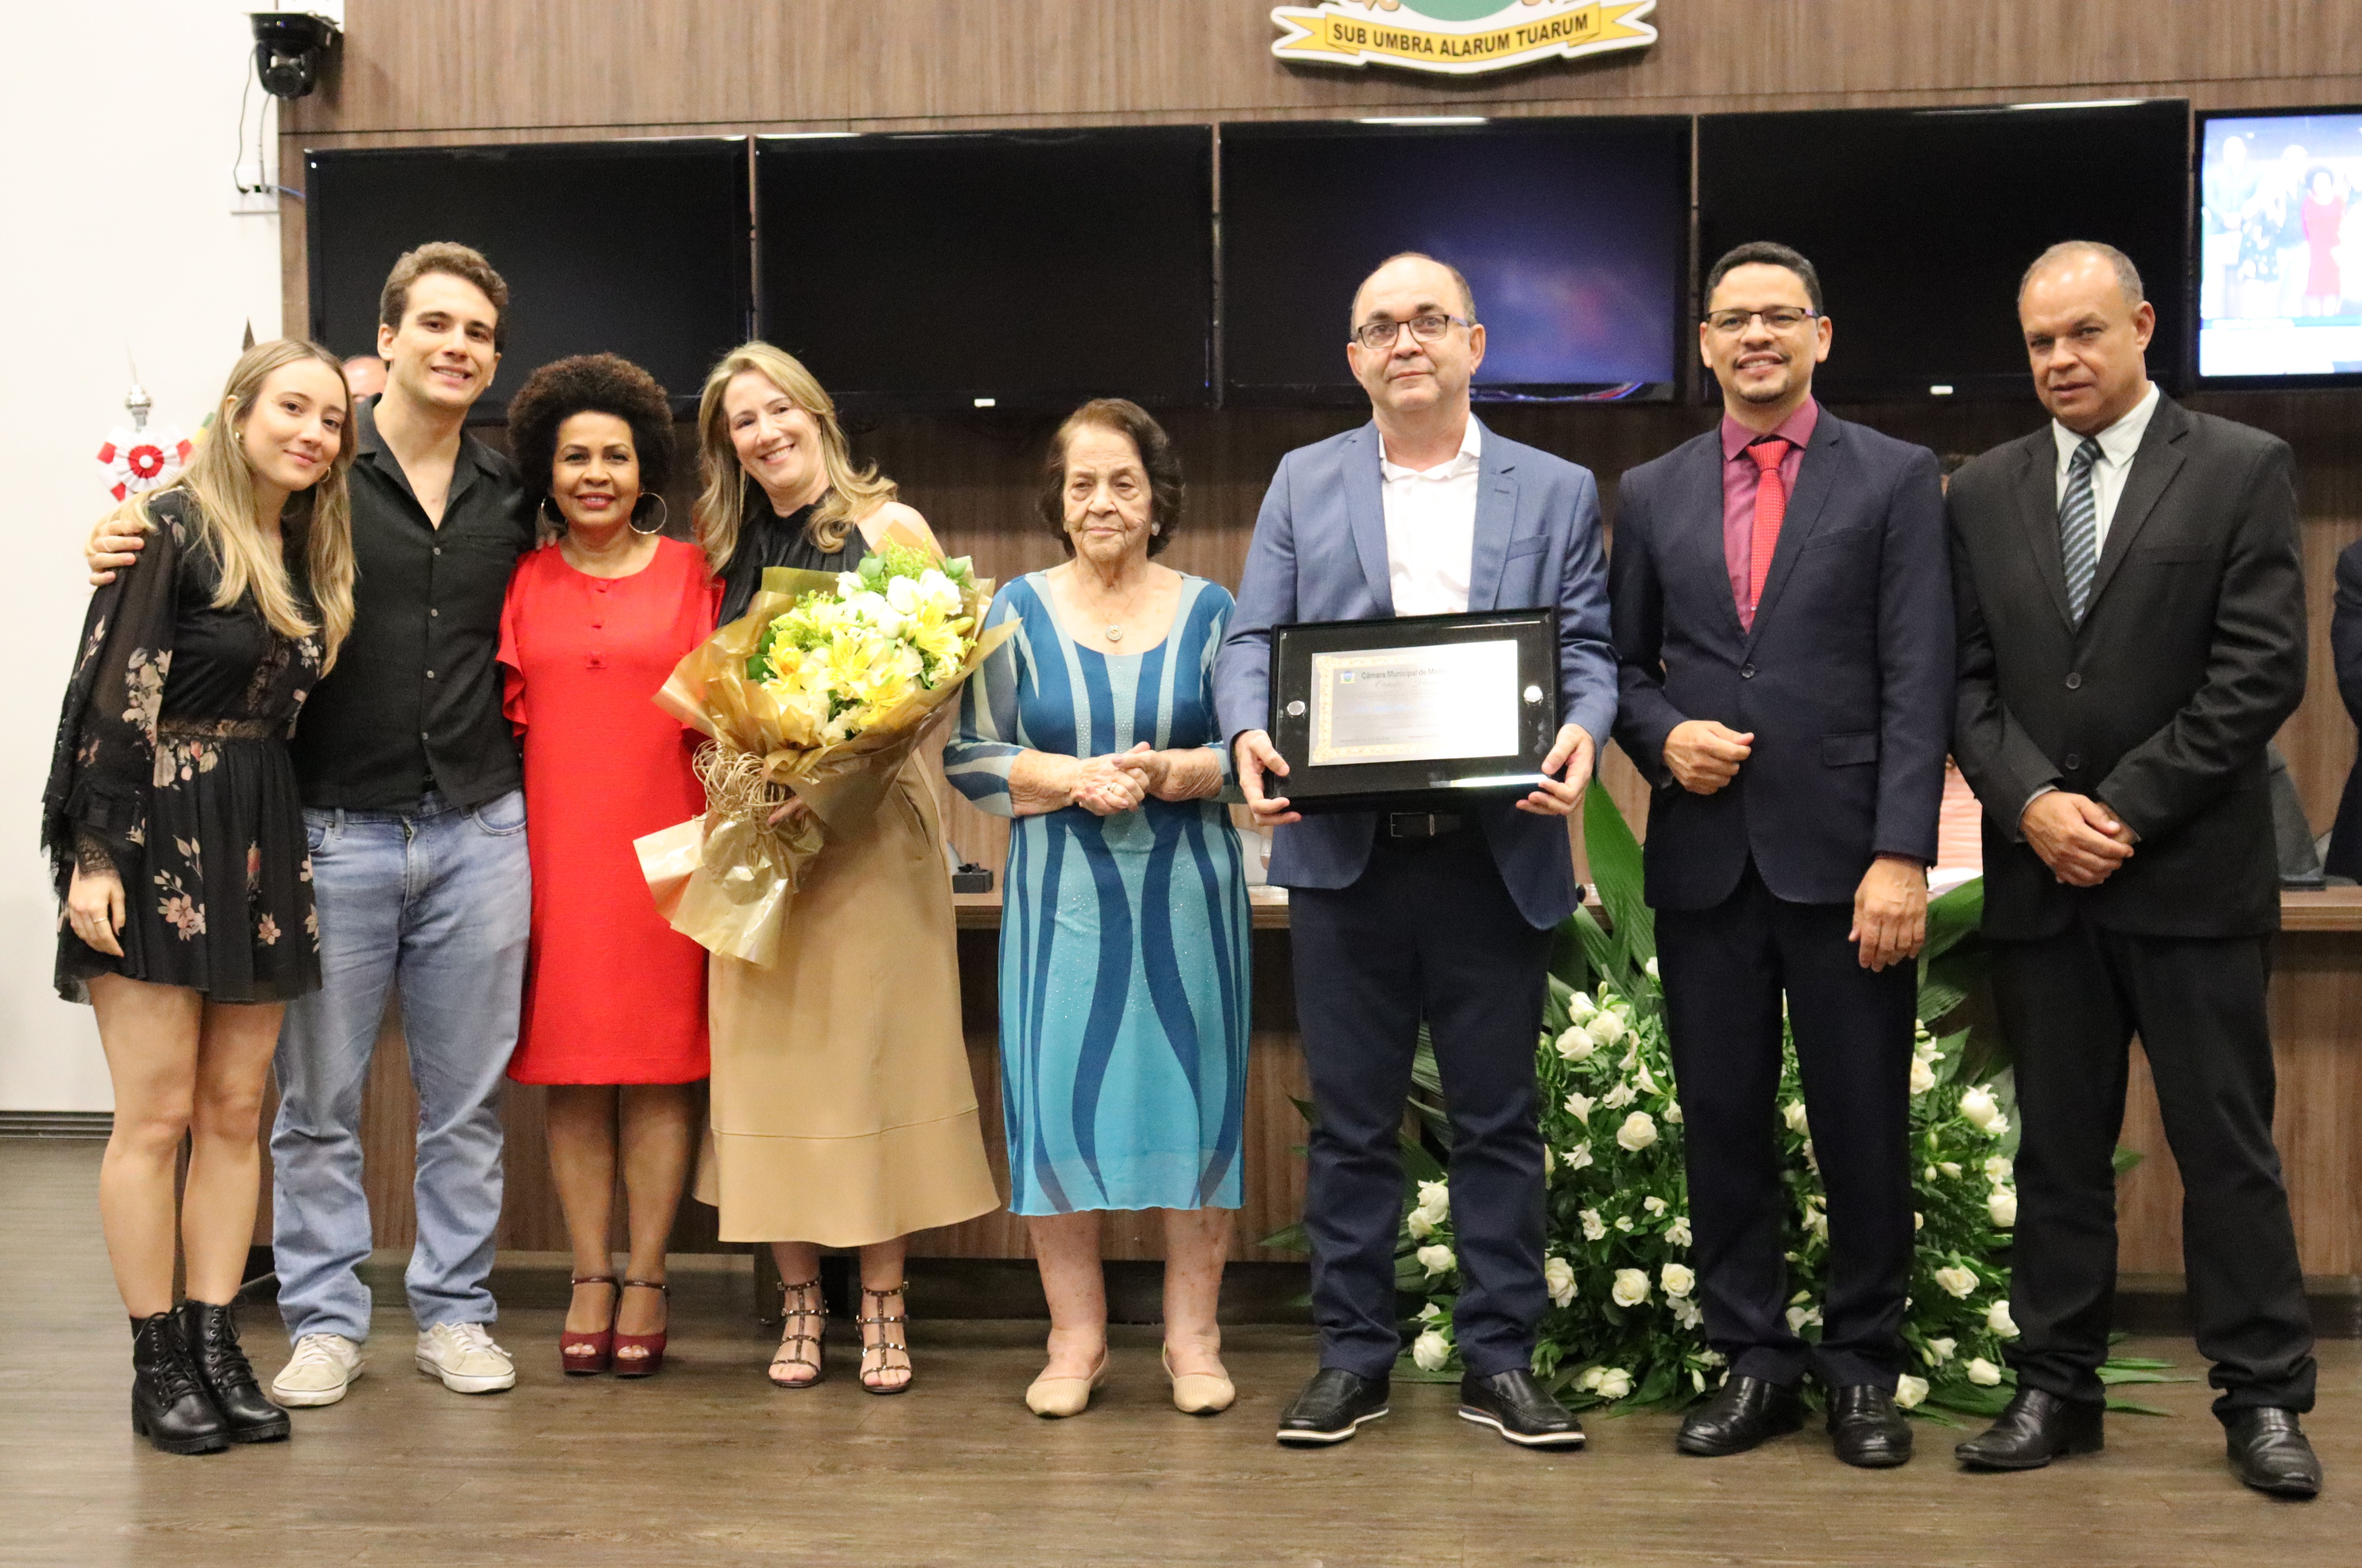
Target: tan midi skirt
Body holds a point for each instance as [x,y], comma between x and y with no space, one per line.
[842,1108]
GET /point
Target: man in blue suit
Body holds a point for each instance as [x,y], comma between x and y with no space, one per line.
[1783,631]
[1412,916]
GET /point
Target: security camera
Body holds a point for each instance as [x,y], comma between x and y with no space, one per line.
[287,49]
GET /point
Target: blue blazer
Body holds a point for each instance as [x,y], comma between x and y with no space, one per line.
[1319,554]
[1846,679]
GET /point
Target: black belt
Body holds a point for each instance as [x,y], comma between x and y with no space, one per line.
[1421,825]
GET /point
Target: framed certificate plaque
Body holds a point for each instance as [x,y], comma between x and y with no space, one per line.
[1426,713]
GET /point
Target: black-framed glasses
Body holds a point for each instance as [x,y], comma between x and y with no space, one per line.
[1779,318]
[1378,336]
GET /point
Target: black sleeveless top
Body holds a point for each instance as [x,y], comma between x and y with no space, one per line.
[766,540]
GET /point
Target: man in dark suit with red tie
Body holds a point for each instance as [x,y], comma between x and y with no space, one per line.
[1783,617]
[2131,609]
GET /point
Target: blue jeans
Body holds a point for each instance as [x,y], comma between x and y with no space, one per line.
[438,902]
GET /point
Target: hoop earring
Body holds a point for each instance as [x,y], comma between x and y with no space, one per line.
[551,514]
[664,514]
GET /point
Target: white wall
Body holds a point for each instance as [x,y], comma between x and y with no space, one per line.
[120,126]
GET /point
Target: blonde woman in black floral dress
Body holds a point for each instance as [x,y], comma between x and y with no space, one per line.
[176,838]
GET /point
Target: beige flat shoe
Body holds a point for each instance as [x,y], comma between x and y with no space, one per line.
[1056,1398]
[1199,1393]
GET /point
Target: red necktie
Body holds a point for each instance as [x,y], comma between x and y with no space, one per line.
[1770,508]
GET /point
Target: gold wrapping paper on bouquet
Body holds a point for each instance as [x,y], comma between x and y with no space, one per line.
[728,880]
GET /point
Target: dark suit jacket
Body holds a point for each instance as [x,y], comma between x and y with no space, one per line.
[1846,679]
[2187,662]
[2345,858]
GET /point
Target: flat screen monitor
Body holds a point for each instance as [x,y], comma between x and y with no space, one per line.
[2279,249]
[992,270]
[1921,223]
[1573,235]
[632,247]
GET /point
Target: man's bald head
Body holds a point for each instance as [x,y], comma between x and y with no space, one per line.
[1414,268]
[2086,253]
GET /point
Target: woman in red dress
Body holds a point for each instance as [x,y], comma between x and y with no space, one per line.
[615,999]
[2324,229]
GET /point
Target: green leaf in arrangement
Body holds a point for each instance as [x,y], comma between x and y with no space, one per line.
[2124,1159]
[1417,1164]
[1615,867]
[1598,948]
[1292,1239]
[1953,918]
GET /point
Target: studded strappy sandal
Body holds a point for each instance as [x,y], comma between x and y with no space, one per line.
[891,1341]
[792,1342]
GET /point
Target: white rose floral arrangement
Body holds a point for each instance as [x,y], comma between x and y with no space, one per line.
[1623,1323]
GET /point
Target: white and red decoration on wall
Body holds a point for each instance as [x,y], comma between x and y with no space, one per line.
[137,460]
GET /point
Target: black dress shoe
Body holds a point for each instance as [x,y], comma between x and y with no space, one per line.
[1332,1406]
[169,1406]
[2270,1453]
[1743,1412]
[2035,1428]
[228,1379]
[1871,1432]
[1517,1407]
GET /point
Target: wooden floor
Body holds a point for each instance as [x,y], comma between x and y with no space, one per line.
[707,1465]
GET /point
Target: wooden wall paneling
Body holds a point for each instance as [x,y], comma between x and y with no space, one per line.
[530,1218]
[509,65]
[2316,1016]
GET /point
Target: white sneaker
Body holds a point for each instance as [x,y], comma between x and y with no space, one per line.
[322,1368]
[464,1357]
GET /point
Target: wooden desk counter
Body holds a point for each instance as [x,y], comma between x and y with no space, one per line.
[2316,1007]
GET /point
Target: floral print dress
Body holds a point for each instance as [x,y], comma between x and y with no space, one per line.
[171,765]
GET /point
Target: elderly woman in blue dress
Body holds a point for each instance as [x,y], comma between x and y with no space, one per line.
[1124,934]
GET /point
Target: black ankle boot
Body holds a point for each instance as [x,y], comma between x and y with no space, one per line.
[228,1379]
[169,1405]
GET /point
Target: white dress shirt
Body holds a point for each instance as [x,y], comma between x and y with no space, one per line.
[2118,442]
[1431,530]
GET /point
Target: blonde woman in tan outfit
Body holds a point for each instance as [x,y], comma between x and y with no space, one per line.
[843,1114]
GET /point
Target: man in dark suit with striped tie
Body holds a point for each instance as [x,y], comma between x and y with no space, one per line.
[2131,634]
[1781,607]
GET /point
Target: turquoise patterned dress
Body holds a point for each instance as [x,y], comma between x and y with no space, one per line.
[1123,938]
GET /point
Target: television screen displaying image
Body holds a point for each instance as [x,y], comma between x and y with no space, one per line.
[632,247]
[1921,223]
[1573,235]
[2279,247]
[1021,268]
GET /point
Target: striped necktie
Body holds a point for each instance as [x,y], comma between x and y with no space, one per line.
[2078,528]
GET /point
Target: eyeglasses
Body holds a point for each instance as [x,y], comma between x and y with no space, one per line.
[1779,318]
[1378,336]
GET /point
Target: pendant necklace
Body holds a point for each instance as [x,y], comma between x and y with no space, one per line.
[1113,631]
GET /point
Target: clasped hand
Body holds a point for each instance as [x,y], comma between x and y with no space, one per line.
[2079,838]
[1106,785]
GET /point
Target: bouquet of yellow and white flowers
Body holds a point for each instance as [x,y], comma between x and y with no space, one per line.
[818,694]
[844,657]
